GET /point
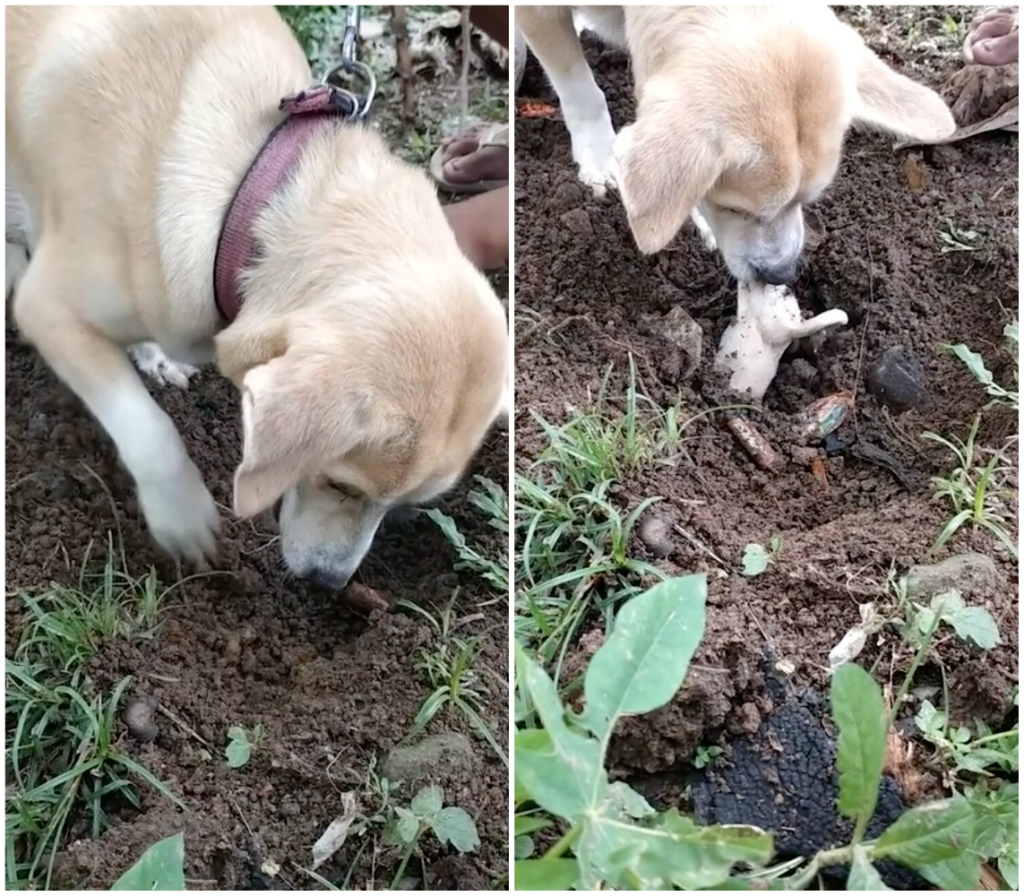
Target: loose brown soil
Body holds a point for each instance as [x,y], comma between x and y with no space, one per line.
[251,645]
[586,299]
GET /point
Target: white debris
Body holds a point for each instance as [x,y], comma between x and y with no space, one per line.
[768,319]
[334,837]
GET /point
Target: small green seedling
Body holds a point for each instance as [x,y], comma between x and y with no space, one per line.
[973,624]
[704,756]
[757,558]
[975,363]
[242,744]
[161,867]
[428,814]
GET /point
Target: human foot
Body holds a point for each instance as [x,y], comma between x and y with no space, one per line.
[993,38]
[474,162]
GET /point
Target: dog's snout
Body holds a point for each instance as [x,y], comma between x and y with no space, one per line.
[329,578]
[777,275]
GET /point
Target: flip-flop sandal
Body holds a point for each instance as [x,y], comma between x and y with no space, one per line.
[484,138]
[993,37]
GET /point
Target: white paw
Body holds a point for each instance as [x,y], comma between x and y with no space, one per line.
[181,514]
[592,152]
[151,360]
[704,229]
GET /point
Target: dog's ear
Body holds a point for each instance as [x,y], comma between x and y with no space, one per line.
[665,165]
[296,421]
[890,102]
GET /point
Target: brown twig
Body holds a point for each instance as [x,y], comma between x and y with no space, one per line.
[400,27]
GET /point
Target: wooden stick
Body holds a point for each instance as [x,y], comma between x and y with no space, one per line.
[400,27]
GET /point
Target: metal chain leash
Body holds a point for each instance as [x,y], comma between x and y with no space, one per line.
[351,69]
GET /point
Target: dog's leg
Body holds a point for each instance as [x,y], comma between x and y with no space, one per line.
[552,38]
[831,318]
[178,508]
[151,360]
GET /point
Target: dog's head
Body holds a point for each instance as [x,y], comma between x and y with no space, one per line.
[371,356]
[341,428]
[744,116]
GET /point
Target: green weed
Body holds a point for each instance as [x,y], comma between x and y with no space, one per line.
[62,753]
[953,238]
[242,743]
[757,558]
[448,668]
[161,867]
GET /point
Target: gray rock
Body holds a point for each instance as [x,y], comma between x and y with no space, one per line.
[578,221]
[969,573]
[435,756]
[897,379]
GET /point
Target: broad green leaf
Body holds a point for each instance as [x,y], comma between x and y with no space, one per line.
[428,801]
[674,854]
[238,753]
[859,714]
[623,800]
[996,821]
[545,874]
[974,363]
[863,875]
[976,624]
[161,867]
[454,825]
[407,827]
[1010,871]
[522,847]
[958,873]
[562,770]
[755,560]
[644,661]
[926,834]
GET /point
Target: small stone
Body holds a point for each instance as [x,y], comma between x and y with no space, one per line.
[683,332]
[655,531]
[578,221]
[568,194]
[233,649]
[139,715]
[897,379]
[969,573]
[39,426]
[436,756]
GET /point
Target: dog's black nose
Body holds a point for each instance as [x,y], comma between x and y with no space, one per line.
[328,578]
[777,275]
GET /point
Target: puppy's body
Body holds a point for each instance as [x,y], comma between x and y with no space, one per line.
[371,356]
[741,115]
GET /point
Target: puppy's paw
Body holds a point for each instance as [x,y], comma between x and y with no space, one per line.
[151,360]
[592,150]
[181,514]
[704,229]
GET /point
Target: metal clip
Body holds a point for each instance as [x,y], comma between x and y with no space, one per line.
[351,69]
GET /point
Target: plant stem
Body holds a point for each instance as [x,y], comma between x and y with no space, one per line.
[908,679]
[402,865]
[567,840]
[841,856]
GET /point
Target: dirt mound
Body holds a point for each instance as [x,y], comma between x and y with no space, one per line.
[249,645]
[586,299]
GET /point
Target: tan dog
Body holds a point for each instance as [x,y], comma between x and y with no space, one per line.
[371,356]
[741,115]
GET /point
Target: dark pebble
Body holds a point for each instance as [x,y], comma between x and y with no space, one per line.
[897,379]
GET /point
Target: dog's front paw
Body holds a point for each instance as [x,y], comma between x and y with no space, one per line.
[704,229]
[181,514]
[151,360]
[593,153]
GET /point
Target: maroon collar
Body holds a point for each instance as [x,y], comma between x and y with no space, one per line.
[307,113]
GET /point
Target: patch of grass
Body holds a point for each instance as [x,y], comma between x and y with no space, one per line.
[318,29]
[492,501]
[61,750]
[572,534]
[447,666]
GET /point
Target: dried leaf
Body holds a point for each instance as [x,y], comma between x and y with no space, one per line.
[334,837]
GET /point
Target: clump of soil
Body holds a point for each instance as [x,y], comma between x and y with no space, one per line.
[585,299]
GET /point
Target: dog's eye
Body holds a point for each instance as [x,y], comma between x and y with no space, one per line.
[345,491]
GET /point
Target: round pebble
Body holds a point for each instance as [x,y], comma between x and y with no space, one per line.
[897,379]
